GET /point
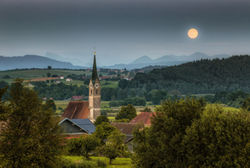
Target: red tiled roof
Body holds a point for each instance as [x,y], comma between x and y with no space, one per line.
[125,128]
[77,110]
[143,118]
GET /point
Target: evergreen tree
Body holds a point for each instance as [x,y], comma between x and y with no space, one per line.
[31,137]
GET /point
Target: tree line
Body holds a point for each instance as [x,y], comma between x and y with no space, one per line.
[203,76]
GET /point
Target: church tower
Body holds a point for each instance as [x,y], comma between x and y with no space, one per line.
[94,94]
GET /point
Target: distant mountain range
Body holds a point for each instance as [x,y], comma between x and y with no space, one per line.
[167,60]
[33,61]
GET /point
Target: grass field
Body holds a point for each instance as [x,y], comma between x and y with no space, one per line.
[37,73]
[117,163]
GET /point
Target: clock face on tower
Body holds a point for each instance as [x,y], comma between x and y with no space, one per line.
[96,85]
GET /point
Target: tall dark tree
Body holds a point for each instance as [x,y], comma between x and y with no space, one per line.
[31,137]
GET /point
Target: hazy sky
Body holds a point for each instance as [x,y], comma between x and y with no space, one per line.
[122,30]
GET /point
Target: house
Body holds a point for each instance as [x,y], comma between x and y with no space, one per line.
[143,118]
[73,128]
[68,80]
[127,129]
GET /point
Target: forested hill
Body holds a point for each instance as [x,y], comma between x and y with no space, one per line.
[204,76]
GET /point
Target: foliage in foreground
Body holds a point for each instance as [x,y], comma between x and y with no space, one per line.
[114,146]
[31,137]
[83,145]
[186,134]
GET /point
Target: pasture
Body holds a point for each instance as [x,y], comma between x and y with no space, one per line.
[117,163]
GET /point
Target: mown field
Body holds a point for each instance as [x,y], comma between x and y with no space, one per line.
[117,163]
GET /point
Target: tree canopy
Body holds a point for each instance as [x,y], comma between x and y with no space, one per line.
[189,133]
[31,137]
[126,112]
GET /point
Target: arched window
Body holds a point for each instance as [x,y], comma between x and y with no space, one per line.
[96,92]
[91,92]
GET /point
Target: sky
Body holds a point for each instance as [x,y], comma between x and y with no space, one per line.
[122,30]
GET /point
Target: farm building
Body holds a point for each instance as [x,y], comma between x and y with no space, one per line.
[77,127]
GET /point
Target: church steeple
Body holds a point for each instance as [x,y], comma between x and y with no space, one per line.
[94,71]
[94,93]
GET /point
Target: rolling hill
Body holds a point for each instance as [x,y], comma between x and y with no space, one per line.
[33,61]
[203,76]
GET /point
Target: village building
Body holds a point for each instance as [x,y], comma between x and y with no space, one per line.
[127,129]
[143,118]
[90,109]
[84,111]
[74,128]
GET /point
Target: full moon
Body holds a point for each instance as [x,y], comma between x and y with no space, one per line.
[193,33]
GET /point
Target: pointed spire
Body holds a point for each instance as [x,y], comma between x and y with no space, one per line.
[94,70]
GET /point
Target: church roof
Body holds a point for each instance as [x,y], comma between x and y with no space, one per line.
[143,118]
[77,110]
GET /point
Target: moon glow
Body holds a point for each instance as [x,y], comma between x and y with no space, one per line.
[193,33]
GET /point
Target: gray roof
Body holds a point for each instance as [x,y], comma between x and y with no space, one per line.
[84,124]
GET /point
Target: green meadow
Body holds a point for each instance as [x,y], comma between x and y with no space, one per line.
[117,163]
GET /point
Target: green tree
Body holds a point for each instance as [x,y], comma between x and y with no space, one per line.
[83,145]
[161,144]
[127,112]
[157,96]
[146,109]
[103,130]
[31,137]
[50,104]
[114,146]
[246,104]
[101,119]
[219,139]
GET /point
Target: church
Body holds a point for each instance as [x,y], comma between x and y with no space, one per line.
[90,109]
